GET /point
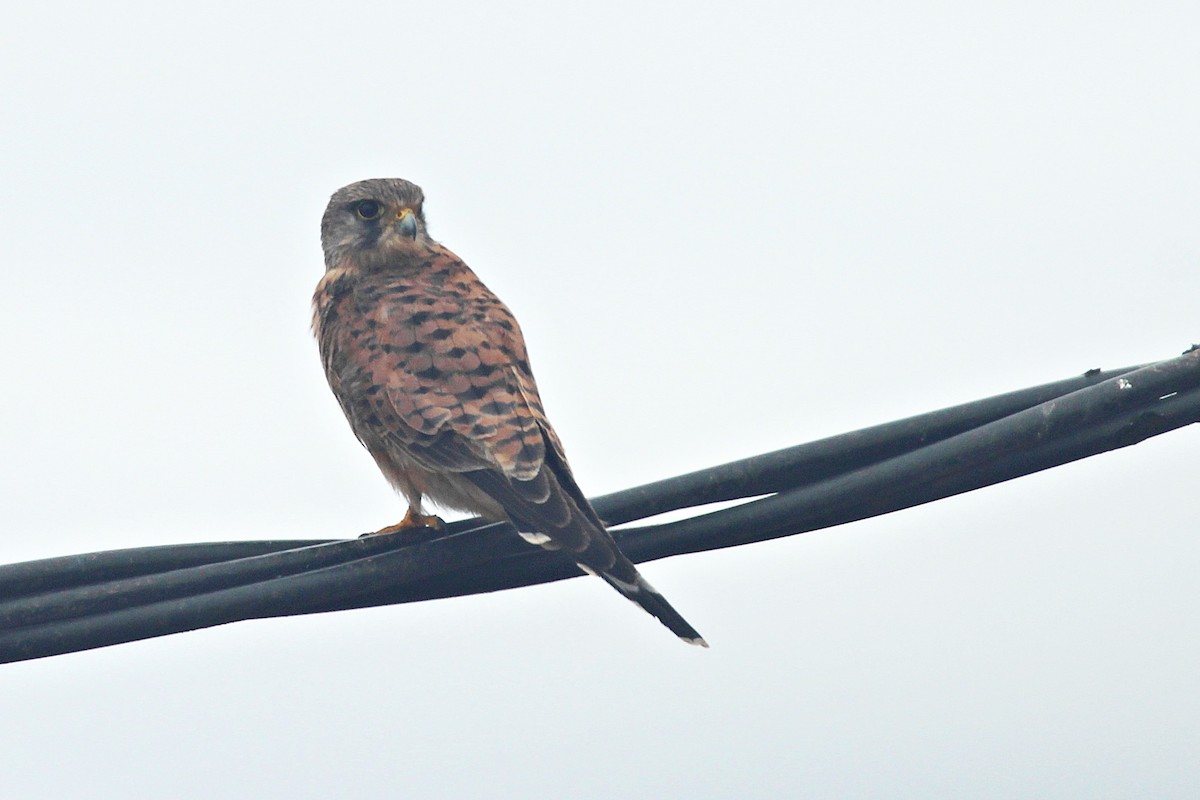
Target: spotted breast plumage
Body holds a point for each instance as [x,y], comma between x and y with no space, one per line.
[431,371]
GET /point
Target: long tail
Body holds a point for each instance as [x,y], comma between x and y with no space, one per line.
[625,578]
[549,510]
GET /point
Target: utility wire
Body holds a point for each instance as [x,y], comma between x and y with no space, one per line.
[71,603]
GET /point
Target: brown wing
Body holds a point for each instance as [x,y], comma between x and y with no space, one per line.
[431,363]
[472,401]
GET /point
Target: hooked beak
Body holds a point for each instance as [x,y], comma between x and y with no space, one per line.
[406,223]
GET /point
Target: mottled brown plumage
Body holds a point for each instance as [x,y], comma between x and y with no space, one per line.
[431,371]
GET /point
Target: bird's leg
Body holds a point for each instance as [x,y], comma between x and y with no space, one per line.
[414,519]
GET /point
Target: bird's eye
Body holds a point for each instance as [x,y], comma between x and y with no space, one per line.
[368,209]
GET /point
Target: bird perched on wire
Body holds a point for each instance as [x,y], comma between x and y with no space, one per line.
[431,371]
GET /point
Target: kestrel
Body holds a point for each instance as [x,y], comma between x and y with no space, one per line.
[431,371]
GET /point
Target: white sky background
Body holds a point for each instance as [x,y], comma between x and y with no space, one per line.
[724,232]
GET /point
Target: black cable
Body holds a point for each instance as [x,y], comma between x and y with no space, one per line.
[78,602]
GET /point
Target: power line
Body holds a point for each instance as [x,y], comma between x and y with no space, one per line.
[60,605]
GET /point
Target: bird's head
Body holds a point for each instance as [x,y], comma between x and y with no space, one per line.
[373,224]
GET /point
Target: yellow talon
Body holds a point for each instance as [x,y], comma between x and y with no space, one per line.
[414,520]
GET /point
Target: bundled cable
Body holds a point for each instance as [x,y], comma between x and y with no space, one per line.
[60,605]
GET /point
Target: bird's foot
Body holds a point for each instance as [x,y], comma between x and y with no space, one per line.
[413,520]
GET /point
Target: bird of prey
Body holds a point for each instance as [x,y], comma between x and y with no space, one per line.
[431,371]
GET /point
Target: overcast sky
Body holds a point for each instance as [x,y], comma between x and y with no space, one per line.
[725,231]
